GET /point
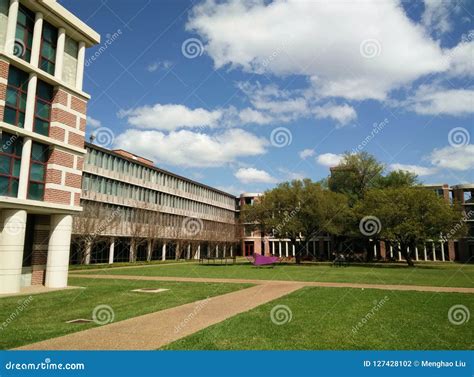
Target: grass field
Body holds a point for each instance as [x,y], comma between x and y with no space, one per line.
[325,319]
[43,316]
[435,274]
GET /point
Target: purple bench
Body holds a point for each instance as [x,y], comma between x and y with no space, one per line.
[262,260]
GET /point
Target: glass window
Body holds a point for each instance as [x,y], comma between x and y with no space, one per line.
[15,101]
[48,48]
[44,97]
[39,158]
[24,33]
[10,160]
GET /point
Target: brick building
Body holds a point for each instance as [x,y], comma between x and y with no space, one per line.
[42,126]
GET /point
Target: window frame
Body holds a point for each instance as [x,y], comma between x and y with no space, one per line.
[37,162]
[13,157]
[54,44]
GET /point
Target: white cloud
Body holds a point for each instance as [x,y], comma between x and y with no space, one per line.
[416,169]
[342,114]
[461,58]
[433,100]
[170,117]
[191,149]
[329,159]
[155,66]
[457,158]
[322,41]
[249,116]
[436,15]
[305,153]
[93,123]
[252,175]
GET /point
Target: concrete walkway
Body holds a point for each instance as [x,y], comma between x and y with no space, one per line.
[152,331]
[392,287]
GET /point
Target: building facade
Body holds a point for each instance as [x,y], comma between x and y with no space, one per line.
[42,126]
[136,211]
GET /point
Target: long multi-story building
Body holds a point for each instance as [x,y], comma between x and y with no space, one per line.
[42,126]
[136,211]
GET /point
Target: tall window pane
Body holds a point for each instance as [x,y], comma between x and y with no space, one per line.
[10,160]
[39,158]
[48,48]
[15,101]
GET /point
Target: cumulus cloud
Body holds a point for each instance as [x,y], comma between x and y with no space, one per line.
[317,40]
[416,169]
[461,58]
[437,15]
[93,123]
[457,158]
[329,159]
[252,175]
[170,117]
[341,114]
[305,153]
[192,149]
[155,66]
[434,100]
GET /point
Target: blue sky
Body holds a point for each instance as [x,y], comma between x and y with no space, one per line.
[241,95]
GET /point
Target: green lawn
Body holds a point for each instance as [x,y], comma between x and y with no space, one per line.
[44,316]
[324,319]
[436,274]
[95,266]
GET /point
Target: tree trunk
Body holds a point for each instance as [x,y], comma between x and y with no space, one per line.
[406,255]
[297,251]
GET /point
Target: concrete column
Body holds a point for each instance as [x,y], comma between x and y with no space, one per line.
[375,250]
[279,249]
[111,251]
[391,252]
[149,251]
[24,168]
[188,252]
[425,252]
[12,239]
[58,251]
[177,251]
[294,251]
[443,258]
[232,251]
[272,247]
[163,251]
[286,247]
[80,65]
[132,252]
[314,248]
[58,67]
[11,26]
[416,254]
[224,251]
[208,251]
[36,45]
[198,253]
[399,253]
[217,251]
[434,251]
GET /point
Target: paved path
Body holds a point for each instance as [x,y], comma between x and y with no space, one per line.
[392,287]
[152,331]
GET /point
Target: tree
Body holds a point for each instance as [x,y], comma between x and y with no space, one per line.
[397,178]
[408,216]
[298,210]
[355,175]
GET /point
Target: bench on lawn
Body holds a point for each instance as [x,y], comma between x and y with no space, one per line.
[216,260]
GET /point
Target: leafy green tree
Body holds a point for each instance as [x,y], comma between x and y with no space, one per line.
[355,175]
[408,216]
[298,210]
[397,178]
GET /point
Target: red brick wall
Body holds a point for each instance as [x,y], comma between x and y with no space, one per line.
[4,66]
[38,277]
